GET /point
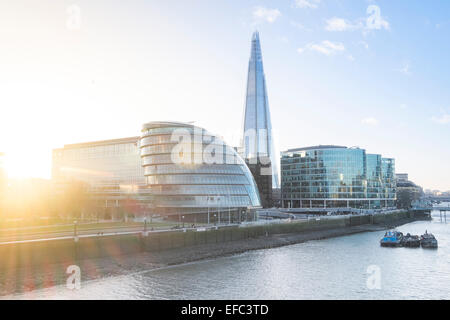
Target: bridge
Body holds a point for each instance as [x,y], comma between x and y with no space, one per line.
[431,208]
[442,210]
[441,199]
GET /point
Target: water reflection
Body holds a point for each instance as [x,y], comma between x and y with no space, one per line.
[326,269]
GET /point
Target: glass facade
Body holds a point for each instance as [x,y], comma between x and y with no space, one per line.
[191,171]
[335,176]
[257,128]
[112,169]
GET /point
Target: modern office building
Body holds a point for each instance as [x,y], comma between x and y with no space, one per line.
[257,145]
[336,177]
[192,175]
[388,180]
[402,177]
[111,168]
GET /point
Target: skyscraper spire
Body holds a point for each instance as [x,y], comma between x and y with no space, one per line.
[257,145]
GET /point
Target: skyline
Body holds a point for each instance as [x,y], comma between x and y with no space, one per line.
[338,73]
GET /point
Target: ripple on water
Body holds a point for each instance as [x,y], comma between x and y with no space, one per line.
[324,269]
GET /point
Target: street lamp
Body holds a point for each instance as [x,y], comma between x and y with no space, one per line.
[183,220]
[75,236]
[218,206]
[207,203]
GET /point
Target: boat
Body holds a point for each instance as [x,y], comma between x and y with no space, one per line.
[392,239]
[428,241]
[411,241]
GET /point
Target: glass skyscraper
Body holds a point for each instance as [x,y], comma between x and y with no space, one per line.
[257,146]
[336,176]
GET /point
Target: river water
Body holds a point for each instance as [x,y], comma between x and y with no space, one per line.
[349,267]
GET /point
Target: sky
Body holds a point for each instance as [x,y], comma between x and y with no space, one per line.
[372,74]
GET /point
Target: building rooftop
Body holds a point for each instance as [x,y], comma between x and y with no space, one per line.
[316,147]
[101,143]
[162,124]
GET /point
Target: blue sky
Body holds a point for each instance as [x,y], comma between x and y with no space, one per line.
[363,73]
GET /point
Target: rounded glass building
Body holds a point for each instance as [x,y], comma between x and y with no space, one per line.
[192,175]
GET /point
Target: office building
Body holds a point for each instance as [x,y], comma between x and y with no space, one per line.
[192,175]
[336,177]
[111,168]
[257,146]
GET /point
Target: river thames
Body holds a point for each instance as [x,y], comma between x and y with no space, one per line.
[348,267]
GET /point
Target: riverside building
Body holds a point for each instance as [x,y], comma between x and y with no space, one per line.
[192,175]
[112,169]
[336,177]
[257,147]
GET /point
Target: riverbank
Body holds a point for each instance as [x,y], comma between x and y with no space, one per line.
[28,279]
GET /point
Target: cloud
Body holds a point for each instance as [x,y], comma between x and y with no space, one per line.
[325,47]
[339,24]
[300,50]
[298,25]
[375,21]
[370,121]
[405,69]
[265,14]
[403,106]
[443,119]
[311,4]
[364,44]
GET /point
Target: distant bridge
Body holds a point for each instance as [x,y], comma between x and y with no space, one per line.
[442,199]
[437,208]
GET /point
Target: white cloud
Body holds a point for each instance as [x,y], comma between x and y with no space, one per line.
[300,50]
[364,44]
[339,24]
[350,57]
[375,21]
[269,15]
[403,106]
[443,119]
[326,47]
[312,4]
[298,25]
[370,121]
[405,69]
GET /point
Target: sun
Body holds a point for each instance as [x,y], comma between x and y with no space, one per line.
[19,165]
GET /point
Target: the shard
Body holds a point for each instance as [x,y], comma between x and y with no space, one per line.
[257,146]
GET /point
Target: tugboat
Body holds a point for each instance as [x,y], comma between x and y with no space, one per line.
[392,239]
[411,241]
[428,241]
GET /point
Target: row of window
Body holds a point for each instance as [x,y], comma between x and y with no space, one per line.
[201,201]
[192,168]
[198,179]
